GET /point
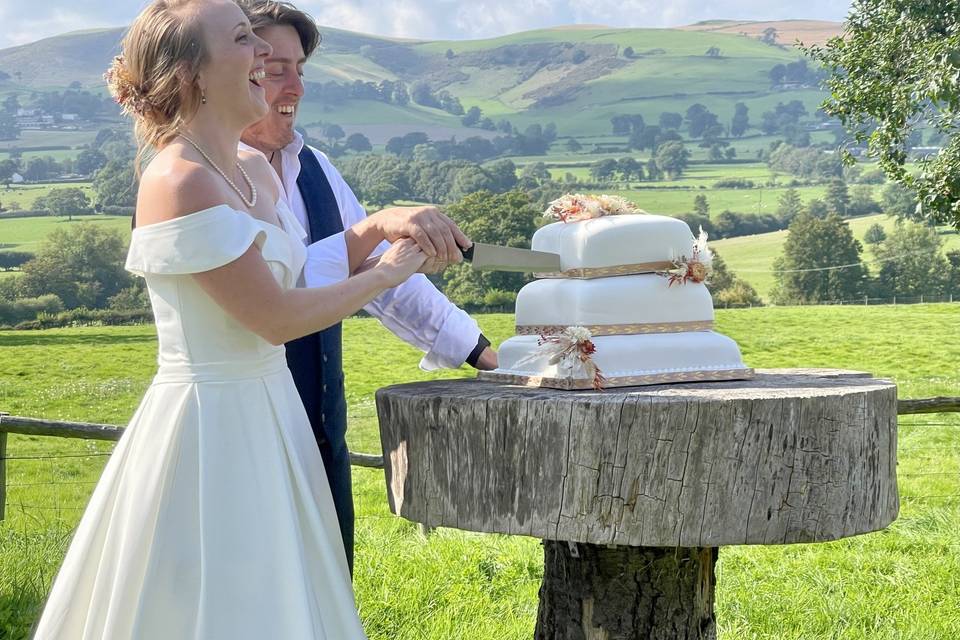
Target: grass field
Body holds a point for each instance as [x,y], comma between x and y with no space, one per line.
[899,584]
[26,194]
[752,257]
[26,234]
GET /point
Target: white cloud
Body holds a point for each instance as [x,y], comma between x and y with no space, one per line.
[437,19]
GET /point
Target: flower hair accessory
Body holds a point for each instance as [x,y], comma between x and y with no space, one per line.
[571,349]
[696,268]
[576,207]
[128,94]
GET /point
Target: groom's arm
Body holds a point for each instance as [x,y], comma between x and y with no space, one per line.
[416,311]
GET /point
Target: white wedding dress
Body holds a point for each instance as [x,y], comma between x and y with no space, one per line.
[213,518]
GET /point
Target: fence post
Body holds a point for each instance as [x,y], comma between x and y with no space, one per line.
[921,298]
[3,470]
[866,301]
[894,300]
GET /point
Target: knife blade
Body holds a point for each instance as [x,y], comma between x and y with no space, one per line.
[491,257]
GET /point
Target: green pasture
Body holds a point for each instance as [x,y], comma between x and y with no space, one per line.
[48,138]
[26,194]
[26,234]
[903,583]
[752,257]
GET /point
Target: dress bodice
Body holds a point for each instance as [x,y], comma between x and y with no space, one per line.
[193,329]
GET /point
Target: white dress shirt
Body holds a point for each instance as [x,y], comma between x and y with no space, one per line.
[415,311]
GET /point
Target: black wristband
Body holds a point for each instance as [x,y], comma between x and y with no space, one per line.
[482,343]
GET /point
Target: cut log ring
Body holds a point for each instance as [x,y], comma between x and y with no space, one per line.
[790,456]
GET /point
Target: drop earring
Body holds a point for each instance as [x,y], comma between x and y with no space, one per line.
[203,98]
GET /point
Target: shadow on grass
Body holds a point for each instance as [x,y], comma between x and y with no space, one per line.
[45,338]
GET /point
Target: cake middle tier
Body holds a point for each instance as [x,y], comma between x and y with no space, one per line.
[619,305]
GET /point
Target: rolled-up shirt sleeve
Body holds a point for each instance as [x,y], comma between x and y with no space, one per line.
[422,316]
[327,262]
[415,311]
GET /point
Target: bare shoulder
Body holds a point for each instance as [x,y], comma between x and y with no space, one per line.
[261,173]
[173,186]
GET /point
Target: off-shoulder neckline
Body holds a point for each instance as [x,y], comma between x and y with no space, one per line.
[196,215]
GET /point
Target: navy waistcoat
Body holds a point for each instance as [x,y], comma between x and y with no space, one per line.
[316,360]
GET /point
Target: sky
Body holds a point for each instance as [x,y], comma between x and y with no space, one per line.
[432,19]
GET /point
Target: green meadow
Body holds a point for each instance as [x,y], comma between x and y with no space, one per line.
[902,583]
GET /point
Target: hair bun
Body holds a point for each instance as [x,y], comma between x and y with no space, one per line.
[131,97]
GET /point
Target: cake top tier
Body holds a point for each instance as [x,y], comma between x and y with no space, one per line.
[646,242]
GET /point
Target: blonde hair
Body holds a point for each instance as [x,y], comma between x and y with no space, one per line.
[163,46]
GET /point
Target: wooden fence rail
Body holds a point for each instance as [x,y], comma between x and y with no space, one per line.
[91,431]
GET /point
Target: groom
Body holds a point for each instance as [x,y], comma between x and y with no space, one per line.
[415,311]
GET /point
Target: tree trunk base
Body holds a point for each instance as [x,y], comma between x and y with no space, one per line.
[594,592]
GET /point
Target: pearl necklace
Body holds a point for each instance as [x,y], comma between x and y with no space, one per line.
[252,202]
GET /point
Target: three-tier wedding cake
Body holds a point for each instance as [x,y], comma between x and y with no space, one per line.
[628,307]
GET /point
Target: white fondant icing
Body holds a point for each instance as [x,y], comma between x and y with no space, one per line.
[633,355]
[639,299]
[615,240]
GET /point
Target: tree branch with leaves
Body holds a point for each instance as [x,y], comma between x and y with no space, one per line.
[896,70]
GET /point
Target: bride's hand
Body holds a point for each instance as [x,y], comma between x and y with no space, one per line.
[401,261]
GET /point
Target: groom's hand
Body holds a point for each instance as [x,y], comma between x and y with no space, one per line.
[437,235]
[487,360]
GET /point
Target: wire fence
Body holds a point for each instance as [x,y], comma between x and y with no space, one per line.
[43,489]
[934,298]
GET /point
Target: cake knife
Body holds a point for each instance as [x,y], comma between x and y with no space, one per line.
[491,257]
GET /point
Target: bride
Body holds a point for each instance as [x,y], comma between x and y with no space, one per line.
[213,518]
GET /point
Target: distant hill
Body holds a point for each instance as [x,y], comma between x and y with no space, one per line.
[788,31]
[577,77]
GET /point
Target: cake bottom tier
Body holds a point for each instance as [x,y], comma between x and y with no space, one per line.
[624,361]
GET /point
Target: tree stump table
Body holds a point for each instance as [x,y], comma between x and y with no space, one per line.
[633,490]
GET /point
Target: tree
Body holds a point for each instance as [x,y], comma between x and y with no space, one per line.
[603,170]
[727,288]
[539,173]
[7,168]
[820,262]
[899,201]
[504,174]
[911,263]
[628,53]
[64,201]
[506,219]
[629,168]
[653,170]
[875,234]
[896,69]
[90,161]
[769,36]
[838,197]
[713,52]
[741,121]
[573,145]
[471,117]
[358,142]
[621,125]
[115,184]
[790,206]
[670,120]
[672,157]
[82,265]
[334,133]
[861,201]
[701,207]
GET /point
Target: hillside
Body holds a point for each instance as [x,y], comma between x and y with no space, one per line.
[788,31]
[577,78]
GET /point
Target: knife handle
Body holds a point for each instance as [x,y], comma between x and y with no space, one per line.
[467,253]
